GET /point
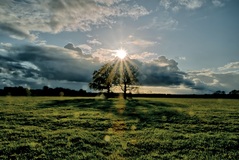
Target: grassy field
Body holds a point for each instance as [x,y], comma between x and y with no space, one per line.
[94,128]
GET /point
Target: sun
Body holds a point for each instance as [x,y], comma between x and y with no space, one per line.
[121,53]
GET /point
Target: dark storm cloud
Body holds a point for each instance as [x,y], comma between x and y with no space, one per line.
[36,65]
[15,74]
[72,47]
[16,32]
[2,58]
[21,82]
[163,72]
[47,62]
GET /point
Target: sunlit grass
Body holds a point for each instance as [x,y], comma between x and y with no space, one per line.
[95,128]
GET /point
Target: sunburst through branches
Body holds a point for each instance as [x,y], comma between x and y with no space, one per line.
[121,72]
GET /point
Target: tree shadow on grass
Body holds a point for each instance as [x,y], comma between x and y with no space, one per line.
[146,112]
[101,104]
[154,113]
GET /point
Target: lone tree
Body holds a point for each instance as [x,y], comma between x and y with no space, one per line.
[127,76]
[120,73]
[102,79]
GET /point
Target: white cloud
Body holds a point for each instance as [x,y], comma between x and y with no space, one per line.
[138,42]
[137,11]
[181,58]
[222,78]
[103,54]
[164,23]
[165,3]
[6,44]
[176,8]
[217,3]
[94,42]
[29,65]
[191,4]
[230,66]
[85,48]
[19,19]
[143,56]
[141,43]
[181,89]
[177,5]
[107,2]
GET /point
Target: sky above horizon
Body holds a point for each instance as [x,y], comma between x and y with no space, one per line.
[180,46]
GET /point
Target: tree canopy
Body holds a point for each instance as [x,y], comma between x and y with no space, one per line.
[127,74]
[122,73]
[102,79]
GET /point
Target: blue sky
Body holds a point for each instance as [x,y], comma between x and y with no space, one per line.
[181,46]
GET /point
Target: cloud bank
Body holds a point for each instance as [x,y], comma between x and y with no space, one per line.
[41,63]
[21,19]
[35,65]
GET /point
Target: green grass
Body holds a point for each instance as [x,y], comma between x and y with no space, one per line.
[94,128]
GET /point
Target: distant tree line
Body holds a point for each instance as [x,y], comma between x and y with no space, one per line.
[233,92]
[45,91]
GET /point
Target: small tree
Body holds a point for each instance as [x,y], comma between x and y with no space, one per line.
[102,78]
[127,77]
[27,92]
[61,94]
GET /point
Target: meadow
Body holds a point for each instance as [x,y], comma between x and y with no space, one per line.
[139,128]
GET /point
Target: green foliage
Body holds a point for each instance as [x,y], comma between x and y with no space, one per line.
[121,73]
[94,128]
[127,74]
[234,92]
[103,78]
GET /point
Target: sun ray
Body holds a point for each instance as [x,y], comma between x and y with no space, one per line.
[121,71]
[131,62]
[113,71]
[102,71]
[128,70]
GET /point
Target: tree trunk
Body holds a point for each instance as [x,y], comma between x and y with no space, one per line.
[125,89]
[108,89]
